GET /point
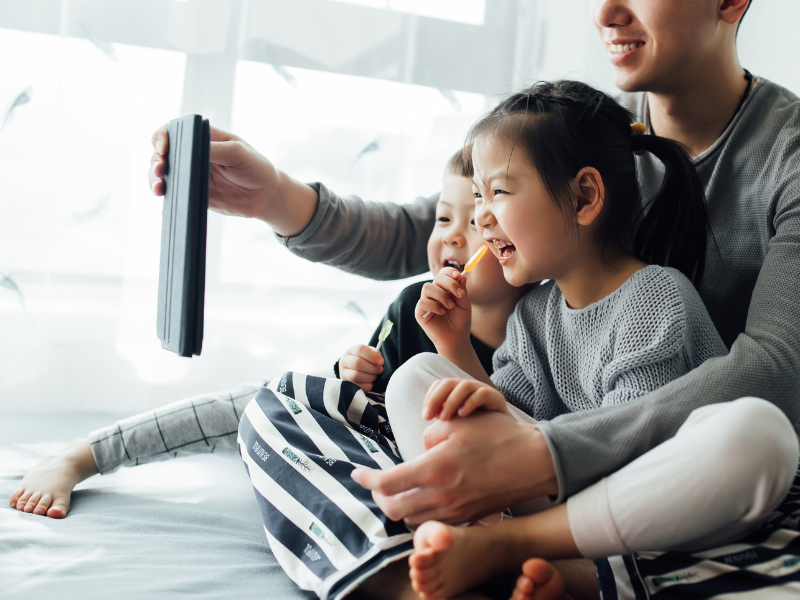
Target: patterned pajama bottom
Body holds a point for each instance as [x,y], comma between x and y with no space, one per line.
[301,436]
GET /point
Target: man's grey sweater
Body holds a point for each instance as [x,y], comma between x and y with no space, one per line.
[751,285]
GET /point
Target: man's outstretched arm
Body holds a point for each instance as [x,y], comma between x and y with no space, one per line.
[381,241]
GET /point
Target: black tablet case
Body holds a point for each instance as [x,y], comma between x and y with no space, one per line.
[182,271]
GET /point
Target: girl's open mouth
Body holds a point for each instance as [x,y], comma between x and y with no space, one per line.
[505,249]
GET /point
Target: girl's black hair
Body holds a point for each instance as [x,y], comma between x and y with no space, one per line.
[564,126]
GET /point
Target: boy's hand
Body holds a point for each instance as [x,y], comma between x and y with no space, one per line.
[361,364]
[449,397]
[450,318]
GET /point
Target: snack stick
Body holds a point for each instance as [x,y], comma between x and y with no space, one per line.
[387,327]
[476,258]
[471,264]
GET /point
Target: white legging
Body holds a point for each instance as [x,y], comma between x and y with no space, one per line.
[722,474]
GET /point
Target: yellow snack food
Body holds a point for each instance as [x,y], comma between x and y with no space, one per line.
[476,258]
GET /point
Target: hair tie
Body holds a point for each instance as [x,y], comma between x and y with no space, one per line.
[637,131]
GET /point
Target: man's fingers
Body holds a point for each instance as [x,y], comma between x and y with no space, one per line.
[227,153]
[405,476]
[436,433]
[220,135]
[160,139]
[156,183]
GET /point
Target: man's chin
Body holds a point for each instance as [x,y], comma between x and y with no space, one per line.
[629,82]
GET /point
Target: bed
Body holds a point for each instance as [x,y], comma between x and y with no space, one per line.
[185,527]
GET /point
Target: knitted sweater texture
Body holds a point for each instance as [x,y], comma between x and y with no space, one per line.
[650,331]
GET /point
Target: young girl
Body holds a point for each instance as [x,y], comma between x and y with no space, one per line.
[558,202]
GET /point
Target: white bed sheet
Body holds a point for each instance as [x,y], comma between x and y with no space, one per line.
[184,527]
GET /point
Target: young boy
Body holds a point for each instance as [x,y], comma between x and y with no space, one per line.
[453,241]
[210,421]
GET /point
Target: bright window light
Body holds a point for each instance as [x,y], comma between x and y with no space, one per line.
[470,12]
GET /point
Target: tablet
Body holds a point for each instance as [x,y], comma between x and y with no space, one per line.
[182,268]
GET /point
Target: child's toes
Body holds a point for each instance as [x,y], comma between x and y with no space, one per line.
[44,503]
[23,500]
[547,582]
[59,508]
[423,559]
[32,502]
[15,496]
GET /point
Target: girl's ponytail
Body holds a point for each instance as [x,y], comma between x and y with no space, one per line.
[673,224]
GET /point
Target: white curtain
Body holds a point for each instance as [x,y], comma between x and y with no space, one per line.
[369,96]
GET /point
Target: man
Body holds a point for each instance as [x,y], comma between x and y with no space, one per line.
[677,60]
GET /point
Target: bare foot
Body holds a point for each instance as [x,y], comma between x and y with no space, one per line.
[448,561]
[47,487]
[539,581]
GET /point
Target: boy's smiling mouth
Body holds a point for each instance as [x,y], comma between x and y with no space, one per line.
[453,264]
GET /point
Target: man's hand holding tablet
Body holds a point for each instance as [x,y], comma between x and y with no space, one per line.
[243,183]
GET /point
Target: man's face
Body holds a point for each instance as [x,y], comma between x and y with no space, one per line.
[668,41]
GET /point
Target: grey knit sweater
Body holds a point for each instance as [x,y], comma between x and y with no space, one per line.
[650,331]
[751,286]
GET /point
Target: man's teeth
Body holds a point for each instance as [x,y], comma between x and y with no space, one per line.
[617,48]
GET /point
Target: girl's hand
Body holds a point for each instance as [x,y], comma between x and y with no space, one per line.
[461,397]
[361,364]
[450,318]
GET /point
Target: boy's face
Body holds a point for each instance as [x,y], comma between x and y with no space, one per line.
[455,239]
[669,41]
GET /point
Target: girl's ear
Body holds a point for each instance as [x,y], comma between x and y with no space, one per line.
[589,194]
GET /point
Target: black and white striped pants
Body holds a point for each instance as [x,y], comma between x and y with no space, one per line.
[300,438]
[764,565]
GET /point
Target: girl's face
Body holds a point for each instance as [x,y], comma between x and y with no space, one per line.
[455,239]
[522,225]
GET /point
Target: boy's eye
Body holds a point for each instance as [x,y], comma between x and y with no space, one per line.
[497,192]
[443,220]
[477,195]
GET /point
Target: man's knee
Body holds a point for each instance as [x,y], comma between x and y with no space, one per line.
[757,444]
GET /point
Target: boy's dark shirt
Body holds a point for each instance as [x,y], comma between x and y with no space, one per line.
[408,339]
